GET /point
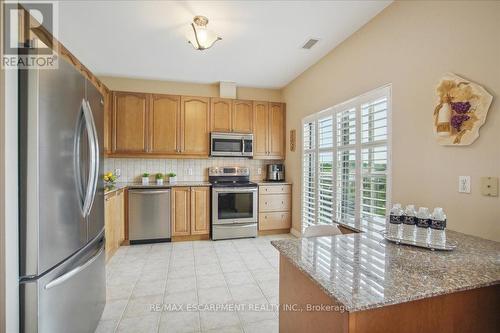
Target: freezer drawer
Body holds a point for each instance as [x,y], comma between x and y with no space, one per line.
[70,297]
[149,215]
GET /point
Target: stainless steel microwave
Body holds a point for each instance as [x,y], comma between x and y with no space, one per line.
[231,144]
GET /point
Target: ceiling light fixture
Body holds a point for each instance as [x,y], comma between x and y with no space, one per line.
[201,38]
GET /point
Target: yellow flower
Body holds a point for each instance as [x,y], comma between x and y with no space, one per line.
[106,178]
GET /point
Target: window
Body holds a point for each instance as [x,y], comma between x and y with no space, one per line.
[345,166]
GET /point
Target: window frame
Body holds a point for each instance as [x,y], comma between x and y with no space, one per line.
[356,102]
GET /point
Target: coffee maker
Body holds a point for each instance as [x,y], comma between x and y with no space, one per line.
[275,172]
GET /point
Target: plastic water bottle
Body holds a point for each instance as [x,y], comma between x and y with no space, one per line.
[423,224]
[409,223]
[437,234]
[395,220]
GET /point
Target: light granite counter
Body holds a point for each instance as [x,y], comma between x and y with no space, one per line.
[152,185]
[362,271]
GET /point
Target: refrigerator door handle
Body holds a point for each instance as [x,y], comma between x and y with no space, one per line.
[77,160]
[61,279]
[94,158]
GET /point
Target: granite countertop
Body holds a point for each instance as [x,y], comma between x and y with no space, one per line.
[118,186]
[363,271]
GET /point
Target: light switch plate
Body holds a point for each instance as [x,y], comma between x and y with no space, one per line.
[118,172]
[489,186]
[259,171]
[464,184]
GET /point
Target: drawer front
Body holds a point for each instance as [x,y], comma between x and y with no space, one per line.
[274,202]
[274,221]
[275,189]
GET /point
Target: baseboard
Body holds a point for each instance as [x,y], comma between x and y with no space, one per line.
[273,232]
[190,238]
[296,233]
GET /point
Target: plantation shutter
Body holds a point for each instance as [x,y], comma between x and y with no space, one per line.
[346,162]
[309,175]
[374,157]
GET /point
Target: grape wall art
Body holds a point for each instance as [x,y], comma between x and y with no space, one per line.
[461,111]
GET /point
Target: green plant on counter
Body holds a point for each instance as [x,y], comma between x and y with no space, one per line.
[171,174]
[145,174]
[159,176]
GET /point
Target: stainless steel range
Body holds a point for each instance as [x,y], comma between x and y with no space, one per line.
[234,203]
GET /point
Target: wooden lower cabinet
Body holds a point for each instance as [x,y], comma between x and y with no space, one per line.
[275,220]
[180,211]
[190,212]
[200,210]
[114,221]
[275,207]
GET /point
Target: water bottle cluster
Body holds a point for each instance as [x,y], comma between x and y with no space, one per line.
[421,227]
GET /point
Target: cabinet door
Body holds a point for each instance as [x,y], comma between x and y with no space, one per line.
[129,122]
[242,118]
[276,131]
[261,129]
[120,220]
[221,111]
[195,121]
[180,210]
[200,210]
[109,225]
[164,121]
[108,110]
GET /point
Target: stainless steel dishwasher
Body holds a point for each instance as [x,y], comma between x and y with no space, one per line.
[149,215]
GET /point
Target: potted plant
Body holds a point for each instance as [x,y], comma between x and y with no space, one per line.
[159,179]
[172,177]
[145,178]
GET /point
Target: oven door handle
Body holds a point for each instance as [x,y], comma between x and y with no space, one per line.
[235,190]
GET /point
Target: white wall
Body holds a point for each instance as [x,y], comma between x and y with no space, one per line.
[411,44]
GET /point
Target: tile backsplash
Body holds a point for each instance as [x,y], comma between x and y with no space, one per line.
[132,168]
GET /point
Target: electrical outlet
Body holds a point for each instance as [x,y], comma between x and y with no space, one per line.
[489,186]
[118,172]
[190,171]
[464,184]
[259,171]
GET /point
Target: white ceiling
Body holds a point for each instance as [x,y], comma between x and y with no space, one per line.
[260,46]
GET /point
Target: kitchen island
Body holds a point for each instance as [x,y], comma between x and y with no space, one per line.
[359,282]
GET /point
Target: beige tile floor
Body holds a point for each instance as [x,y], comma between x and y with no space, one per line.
[239,274]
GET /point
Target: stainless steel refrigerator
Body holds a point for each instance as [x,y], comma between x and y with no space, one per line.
[62,266]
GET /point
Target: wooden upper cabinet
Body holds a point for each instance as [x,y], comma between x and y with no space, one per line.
[180,211]
[221,110]
[200,210]
[277,125]
[242,116]
[195,125]
[108,110]
[165,124]
[130,114]
[261,129]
